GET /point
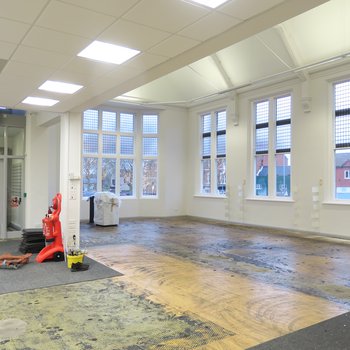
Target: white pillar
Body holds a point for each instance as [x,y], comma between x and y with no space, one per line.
[70,170]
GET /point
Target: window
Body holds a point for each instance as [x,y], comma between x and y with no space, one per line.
[213,153]
[272,137]
[108,149]
[342,139]
[150,155]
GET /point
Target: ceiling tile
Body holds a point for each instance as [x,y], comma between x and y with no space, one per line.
[209,26]
[12,31]
[169,15]
[244,9]
[174,46]
[80,21]
[40,57]
[27,71]
[81,71]
[133,35]
[145,61]
[22,10]
[51,40]
[6,50]
[115,8]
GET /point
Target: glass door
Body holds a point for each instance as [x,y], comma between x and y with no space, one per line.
[11,179]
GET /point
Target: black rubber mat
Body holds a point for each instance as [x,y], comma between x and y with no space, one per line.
[332,334]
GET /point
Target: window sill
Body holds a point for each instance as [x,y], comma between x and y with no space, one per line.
[270,199]
[212,196]
[336,202]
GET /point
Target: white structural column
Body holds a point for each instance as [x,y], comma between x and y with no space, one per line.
[70,170]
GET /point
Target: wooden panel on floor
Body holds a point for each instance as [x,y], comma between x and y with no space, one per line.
[253,310]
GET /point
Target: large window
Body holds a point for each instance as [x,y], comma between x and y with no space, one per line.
[108,159]
[213,153]
[272,162]
[150,155]
[342,139]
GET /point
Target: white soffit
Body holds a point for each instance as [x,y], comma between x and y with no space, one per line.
[322,32]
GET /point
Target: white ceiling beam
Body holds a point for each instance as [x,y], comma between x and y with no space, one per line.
[290,45]
[222,70]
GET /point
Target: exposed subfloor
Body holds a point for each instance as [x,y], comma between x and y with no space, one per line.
[186,284]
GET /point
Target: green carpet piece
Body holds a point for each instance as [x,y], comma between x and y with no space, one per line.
[99,314]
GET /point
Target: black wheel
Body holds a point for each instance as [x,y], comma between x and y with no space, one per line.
[58,256]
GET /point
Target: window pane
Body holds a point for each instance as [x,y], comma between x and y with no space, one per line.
[89,176]
[90,120]
[90,143]
[206,123]
[149,179]
[342,95]
[126,122]
[342,170]
[283,107]
[283,137]
[108,174]
[150,146]
[15,141]
[262,112]
[342,131]
[206,146]
[261,175]
[221,145]
[221,121]
[283,175]
[126,145]
[109,143]
[150,124]
[262,140]
[206,176]
[221,175]
[109,121]
[2,140]
[126,177]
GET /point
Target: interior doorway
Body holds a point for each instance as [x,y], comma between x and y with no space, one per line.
[12,167]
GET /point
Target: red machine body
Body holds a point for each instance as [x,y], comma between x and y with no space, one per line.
[52,231]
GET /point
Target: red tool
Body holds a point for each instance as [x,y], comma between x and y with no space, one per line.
[52,231]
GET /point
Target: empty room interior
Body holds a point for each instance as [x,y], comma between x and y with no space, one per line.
[196,154]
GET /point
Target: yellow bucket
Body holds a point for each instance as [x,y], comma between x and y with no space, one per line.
[73,259]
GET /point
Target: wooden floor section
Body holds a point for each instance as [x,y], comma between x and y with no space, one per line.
[257,285]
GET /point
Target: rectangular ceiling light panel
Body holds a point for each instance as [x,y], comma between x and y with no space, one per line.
[60,87]
[210,3]
[39,101]
[109,53]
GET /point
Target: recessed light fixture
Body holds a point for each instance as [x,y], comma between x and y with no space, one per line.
[40,101]
[109,53]
[58,86]
[210,3]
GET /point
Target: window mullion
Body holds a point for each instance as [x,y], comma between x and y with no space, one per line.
[272,147]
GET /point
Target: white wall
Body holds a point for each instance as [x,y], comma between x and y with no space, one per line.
[41,165]
[311,207]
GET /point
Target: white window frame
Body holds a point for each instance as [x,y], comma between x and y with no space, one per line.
[271,151]
[137,156]
[214,192]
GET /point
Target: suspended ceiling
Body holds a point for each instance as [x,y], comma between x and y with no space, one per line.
[187,51]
